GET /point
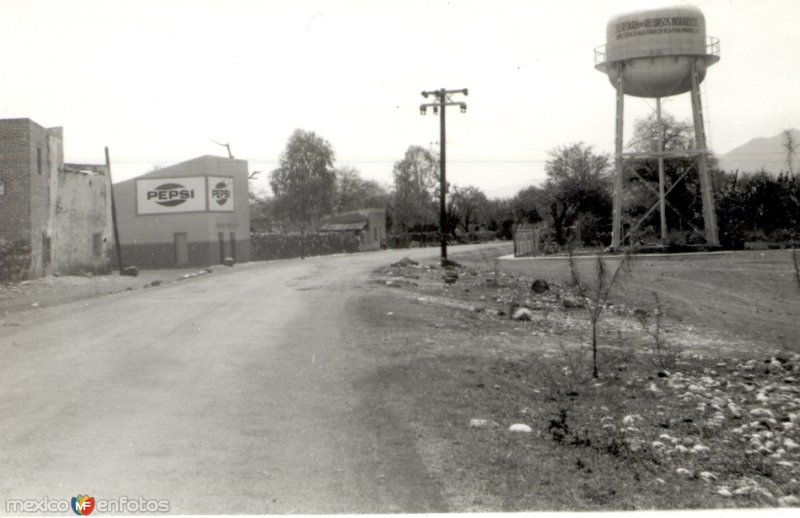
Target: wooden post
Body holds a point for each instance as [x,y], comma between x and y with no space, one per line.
[118,246]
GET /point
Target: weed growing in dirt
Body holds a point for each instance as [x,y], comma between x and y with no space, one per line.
[595,294]
[666,353]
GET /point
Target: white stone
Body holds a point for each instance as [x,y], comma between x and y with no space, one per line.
[683,471]
[707,475]
[699,448]
[478,423]
[761,412]
[630,419]
[523,314]
[521,428]
[724,491]
[790,445]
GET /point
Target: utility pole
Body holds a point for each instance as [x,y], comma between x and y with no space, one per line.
[117,244]
[443,100]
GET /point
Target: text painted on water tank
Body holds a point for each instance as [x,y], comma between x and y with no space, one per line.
[661,25]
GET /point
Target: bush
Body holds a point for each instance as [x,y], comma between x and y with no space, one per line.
[15,261]
[267,246]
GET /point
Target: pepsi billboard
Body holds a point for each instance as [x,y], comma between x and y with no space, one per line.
[171,195]
[220,194]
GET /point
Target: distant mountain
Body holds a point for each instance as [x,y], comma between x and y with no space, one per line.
[761,153]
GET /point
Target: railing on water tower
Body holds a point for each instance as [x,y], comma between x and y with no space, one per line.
[712,49]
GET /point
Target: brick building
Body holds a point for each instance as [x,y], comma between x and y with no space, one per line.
[195,213]
[61,211]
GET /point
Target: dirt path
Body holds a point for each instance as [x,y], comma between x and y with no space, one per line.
[243,393]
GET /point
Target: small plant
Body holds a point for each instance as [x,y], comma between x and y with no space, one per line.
[665,352]
[595,294]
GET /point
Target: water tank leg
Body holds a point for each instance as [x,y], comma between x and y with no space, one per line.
[709,214]
[616,228]
[661,195]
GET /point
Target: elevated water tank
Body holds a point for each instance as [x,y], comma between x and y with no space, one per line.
[656,45]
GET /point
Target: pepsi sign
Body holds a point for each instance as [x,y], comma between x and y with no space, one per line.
[171,195]
[220,194]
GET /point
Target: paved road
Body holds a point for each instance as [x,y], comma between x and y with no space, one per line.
[232,393]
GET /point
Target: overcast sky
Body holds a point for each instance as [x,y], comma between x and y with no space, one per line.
[156,81]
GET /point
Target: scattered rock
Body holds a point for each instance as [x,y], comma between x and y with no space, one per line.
[572,303]
[130,271]
[789,501]
[478,423]
[539,286]
[707,476]
[683,471]
[761,412]
[522,314]
[228,261]
[405,261]
[521,428]
[724,491]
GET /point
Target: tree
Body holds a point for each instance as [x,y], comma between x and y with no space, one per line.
[304,182]
[415,181]
[529,204]
[578,183]
[595,292]
[468,203]
[500,218]
[684,203]
[354,193]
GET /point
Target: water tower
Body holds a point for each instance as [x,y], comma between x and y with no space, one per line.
[660,51]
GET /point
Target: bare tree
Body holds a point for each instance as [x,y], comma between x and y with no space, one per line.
[227,146]
[595,292]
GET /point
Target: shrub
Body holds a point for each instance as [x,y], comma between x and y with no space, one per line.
[267,246]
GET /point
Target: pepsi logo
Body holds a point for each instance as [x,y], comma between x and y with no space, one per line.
[221,193]
[170,194]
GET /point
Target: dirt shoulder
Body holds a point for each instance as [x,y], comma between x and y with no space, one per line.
[52,290]
[713,426]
